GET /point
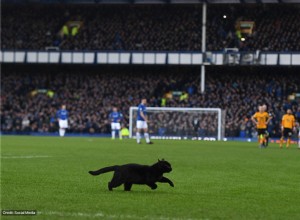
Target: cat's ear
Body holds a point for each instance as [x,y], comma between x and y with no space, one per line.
[163,159]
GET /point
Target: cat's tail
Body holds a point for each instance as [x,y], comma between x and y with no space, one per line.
[103,170]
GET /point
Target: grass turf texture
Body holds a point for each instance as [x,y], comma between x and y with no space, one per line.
[213,180]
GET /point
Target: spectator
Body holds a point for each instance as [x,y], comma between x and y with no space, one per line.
[149,27]
[89,94]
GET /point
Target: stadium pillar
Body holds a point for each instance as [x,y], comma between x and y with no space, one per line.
[202,77]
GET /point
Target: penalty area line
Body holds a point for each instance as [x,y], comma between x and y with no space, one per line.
[25,157]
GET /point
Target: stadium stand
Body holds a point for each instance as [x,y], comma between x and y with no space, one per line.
[30,97]
[148,27]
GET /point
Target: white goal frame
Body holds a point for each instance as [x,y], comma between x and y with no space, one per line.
[218,110]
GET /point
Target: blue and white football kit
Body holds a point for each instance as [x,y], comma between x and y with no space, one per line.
[62,116]
[142,124]
[115,118]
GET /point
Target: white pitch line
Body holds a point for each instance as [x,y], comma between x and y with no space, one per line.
[25,157]
[110,216]
[72,214]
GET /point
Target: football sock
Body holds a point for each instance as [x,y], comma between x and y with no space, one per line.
[113,134]
[281,141]
[138,137]
[288,142]
[147,137]
[120,134]
[299,142]
[261,139]
[61,132]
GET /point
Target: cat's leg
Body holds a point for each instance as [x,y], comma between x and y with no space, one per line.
[109,186]
[166,180]
[127,186]
[152,185]
[114,184]
[115,181]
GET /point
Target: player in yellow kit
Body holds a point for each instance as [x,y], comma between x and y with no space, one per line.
[287,126]
[261,119]
[267,136]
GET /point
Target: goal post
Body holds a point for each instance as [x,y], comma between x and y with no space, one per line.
[181,123]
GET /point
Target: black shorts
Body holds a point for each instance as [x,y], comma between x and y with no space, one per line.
[287,132]
[261,131]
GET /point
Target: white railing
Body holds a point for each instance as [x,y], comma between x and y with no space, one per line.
[152,58]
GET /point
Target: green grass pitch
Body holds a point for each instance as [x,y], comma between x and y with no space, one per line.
[213,180]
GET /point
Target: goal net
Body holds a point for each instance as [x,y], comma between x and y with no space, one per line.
[181,123]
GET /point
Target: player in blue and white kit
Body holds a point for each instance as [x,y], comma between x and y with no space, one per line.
[115,118]
[62,117]
[141,123]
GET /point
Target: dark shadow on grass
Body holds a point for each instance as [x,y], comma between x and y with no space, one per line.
[120,191]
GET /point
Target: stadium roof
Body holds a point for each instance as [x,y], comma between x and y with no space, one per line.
[153,1]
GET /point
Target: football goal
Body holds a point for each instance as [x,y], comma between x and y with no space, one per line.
[181,123]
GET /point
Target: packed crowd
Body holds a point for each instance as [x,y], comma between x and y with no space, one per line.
[25,27]
[149,27]
[90,93]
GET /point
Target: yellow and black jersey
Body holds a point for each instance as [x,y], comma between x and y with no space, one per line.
[261,119]
[288,121]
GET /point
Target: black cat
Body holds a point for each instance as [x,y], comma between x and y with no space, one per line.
[129,174]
